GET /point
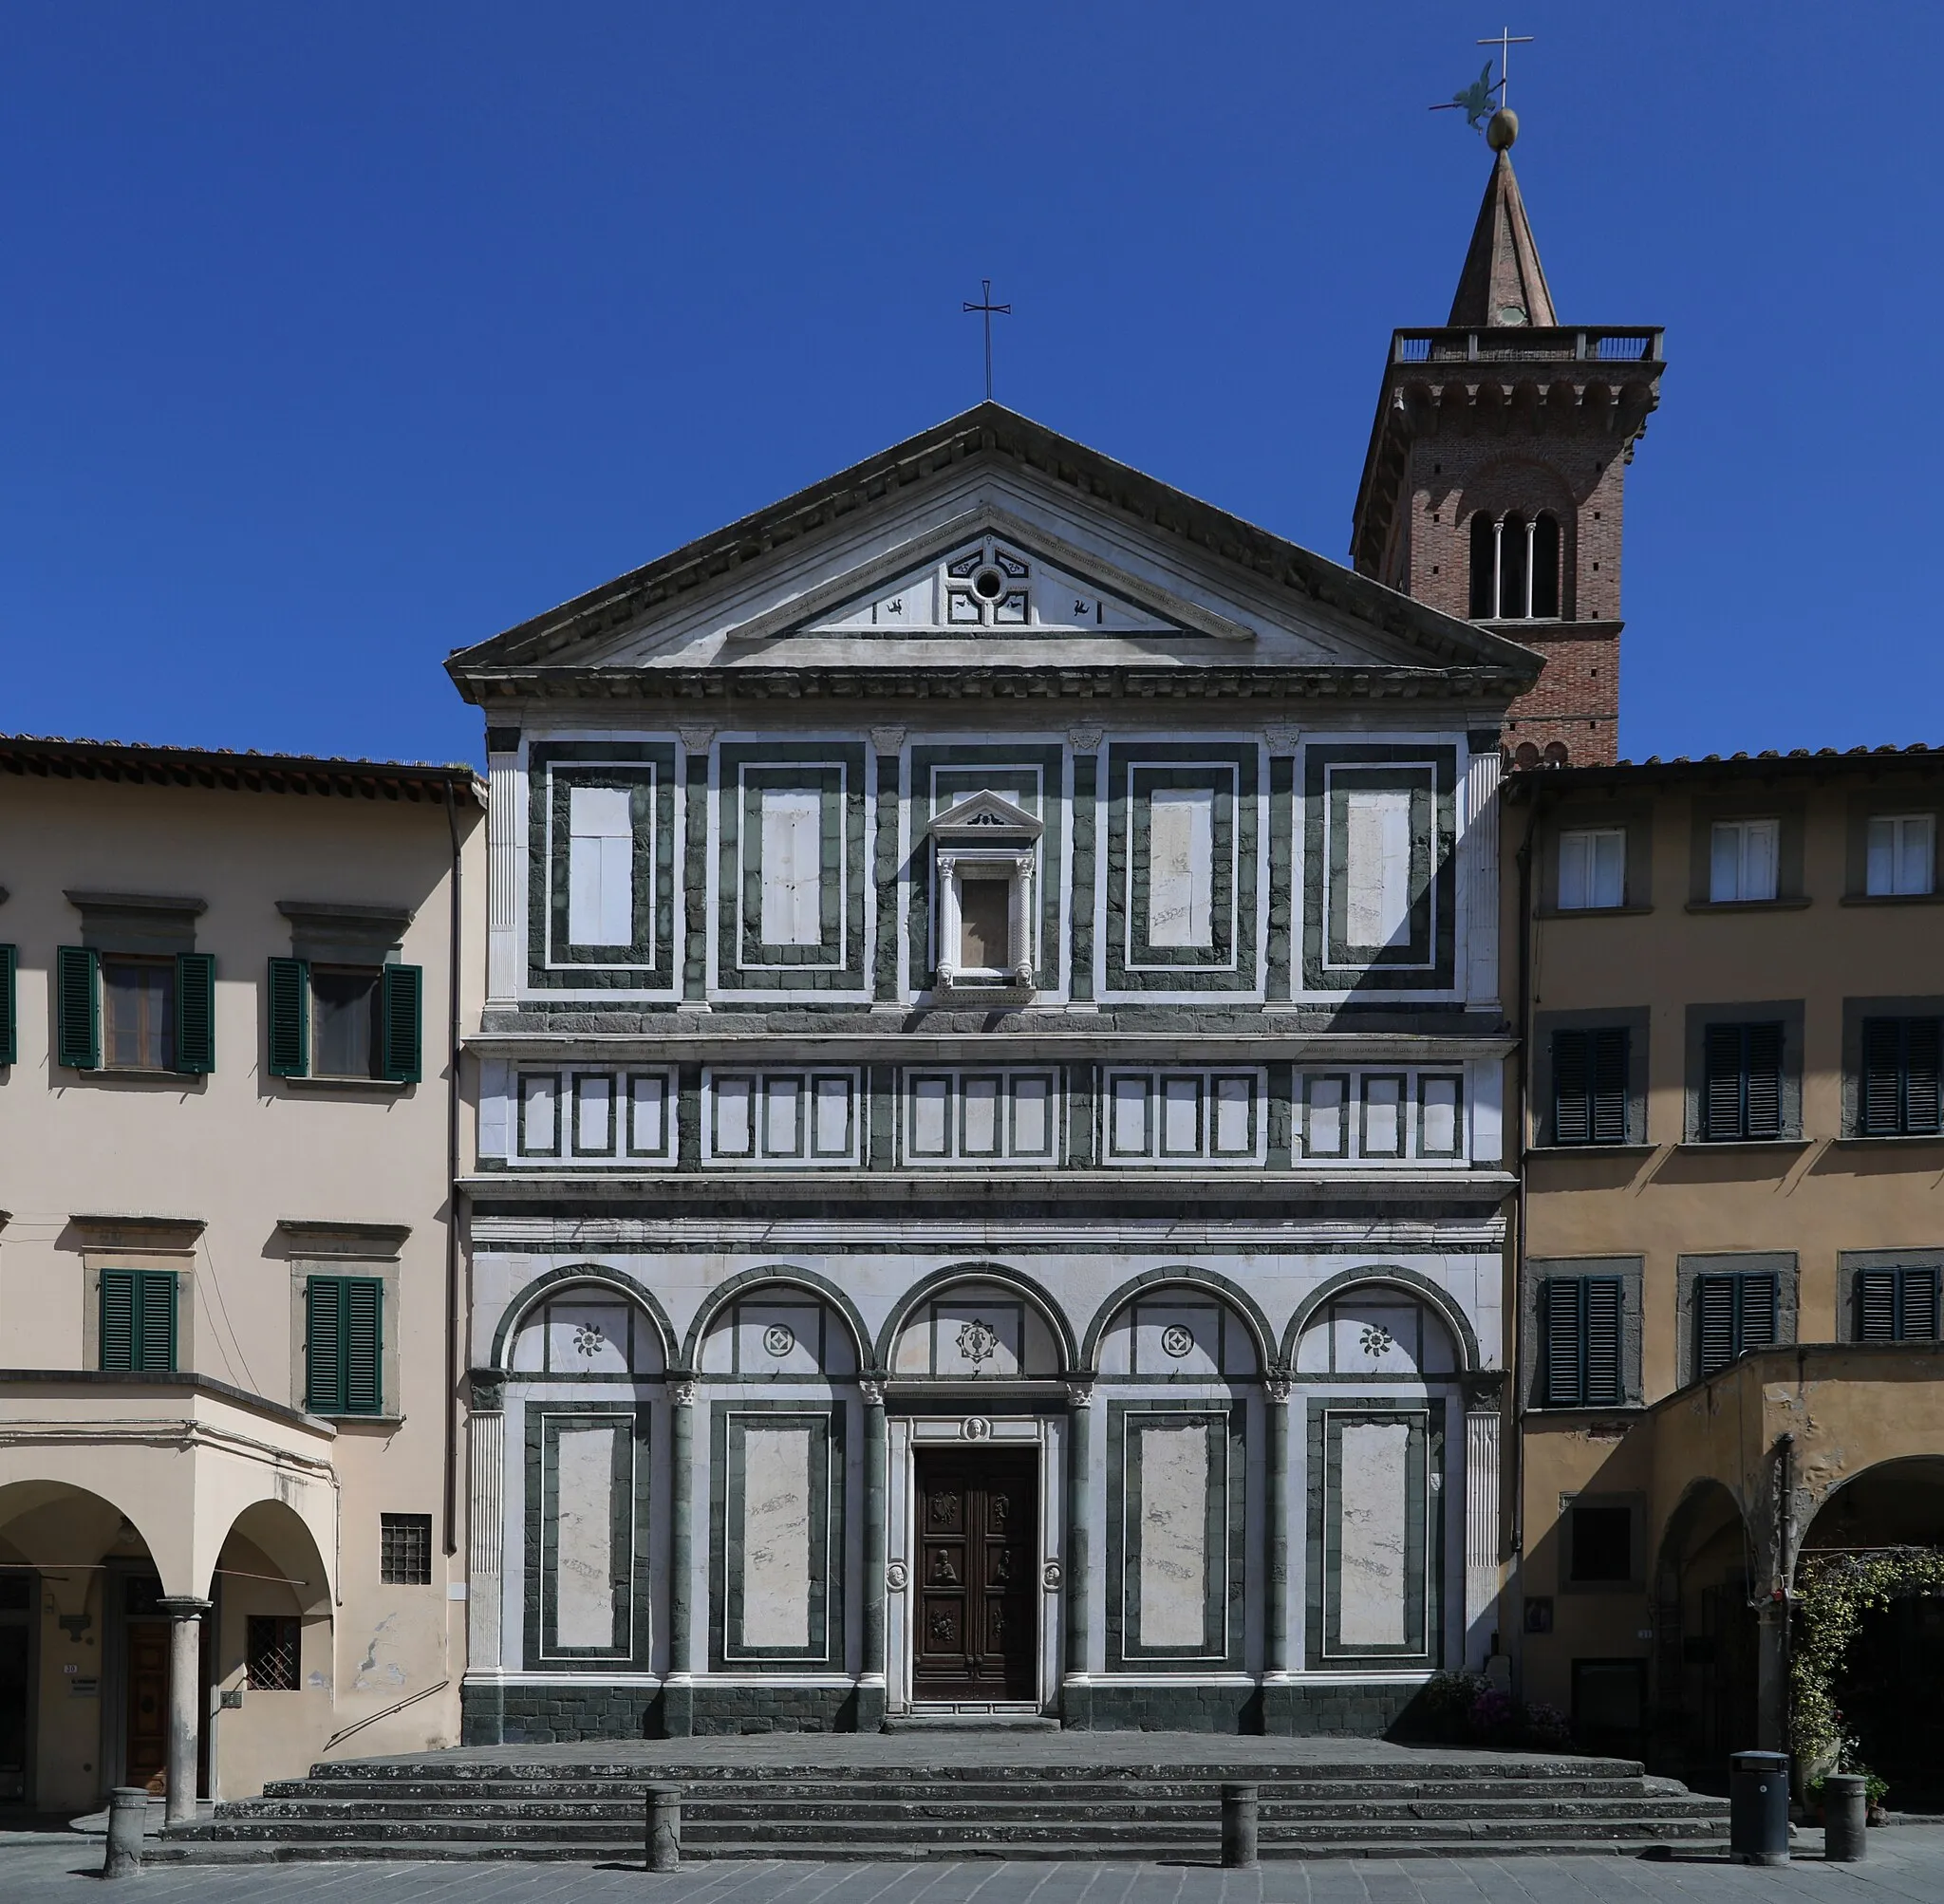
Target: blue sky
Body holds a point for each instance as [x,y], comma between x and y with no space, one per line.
[340,337]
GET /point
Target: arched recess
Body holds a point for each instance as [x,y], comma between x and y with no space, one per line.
[558,1282]
[1377,1277]
[1705,1656]
[1030,1349]
[47,1522]
[1199,1286]
[783,1277]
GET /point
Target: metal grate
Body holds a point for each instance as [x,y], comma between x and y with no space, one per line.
[404,1550]
[272,1652]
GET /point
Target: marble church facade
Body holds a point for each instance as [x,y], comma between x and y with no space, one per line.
[990,1180]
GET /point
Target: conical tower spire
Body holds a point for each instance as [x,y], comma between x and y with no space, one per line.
[1503,282]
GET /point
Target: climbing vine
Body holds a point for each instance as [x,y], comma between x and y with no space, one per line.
[1833,1593]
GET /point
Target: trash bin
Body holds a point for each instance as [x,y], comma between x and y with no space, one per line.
[1758,1807]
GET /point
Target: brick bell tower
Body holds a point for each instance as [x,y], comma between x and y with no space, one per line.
[1494,482]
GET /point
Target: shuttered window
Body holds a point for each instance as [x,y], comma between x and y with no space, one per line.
[1732,1313]
[1741,1091]
[77,1008]
[195,1012]
[1898,1094]
[164,1015]
[1582,1335]
[10,1004]
[343,1345]
[1898,1305]
[138,1319]
[399,1027]
[1590,1086]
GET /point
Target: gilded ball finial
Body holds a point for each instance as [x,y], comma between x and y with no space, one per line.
[1502,129]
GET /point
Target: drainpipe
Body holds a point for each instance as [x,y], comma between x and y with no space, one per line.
[452,1186]
[1516,1127]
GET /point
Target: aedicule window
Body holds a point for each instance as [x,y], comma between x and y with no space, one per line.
[792,867]
[1744,861]
[600,872]
[1593,869]
[1902,855]
[1180,862]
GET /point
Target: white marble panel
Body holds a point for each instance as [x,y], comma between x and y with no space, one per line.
[1128,1137]
[735,1116]
[976,1339]
[648,1106]
[1377,863]
[1325,1111]
[539,1114]
[584,1537]
[1371,1510]
[593,1113]
[777,1544]
[586,1339]
[1383,1117]
[1438,1134]
[930,1117]
[1181,1117]
[1173,1534]
[1032,1117]
[1177,1338]
[830,1116]
[979,1114]
[1377,1338]
[782,1117]
[1234,1135]
[778,1338]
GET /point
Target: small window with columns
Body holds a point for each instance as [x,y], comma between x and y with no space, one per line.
[1515,566]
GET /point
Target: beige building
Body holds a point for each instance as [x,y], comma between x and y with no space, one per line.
[1732,1233]
[228,1284]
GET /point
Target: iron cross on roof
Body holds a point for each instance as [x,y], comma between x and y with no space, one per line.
[1504,42]
[988,310]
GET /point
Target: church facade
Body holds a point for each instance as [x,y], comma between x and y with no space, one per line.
[989,1177]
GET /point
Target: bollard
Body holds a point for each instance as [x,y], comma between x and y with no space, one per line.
[1240,1820]
[665,1827]
[127,1814]
[1846,1814]
[1758,1807]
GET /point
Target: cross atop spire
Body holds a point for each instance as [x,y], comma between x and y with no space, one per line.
[1503,282]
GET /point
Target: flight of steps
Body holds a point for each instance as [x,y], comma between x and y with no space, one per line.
[592,1811]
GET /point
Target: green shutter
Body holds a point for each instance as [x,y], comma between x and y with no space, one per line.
[117,1319]
[289,1019]
[343,1345]
[195,1012]
[364,1312]
[10,1004]
[400,1024]
[77,1008]
[324,1336]
[1562,1297]
[138,1319]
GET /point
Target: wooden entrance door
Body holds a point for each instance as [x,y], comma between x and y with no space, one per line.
[977,1521]
[148,1705]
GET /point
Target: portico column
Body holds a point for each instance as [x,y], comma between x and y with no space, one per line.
[678,1690]
[185,1615]
[1076,1694]
[871,1686]
[1482,1486]
[481,1715]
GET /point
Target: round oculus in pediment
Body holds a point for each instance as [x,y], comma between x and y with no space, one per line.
[988,585]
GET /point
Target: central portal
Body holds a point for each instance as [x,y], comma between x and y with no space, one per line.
[977,1516]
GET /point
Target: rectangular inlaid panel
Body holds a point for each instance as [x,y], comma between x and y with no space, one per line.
[1374,1508]
[1173,1534]
[776,1535]
[584,1537]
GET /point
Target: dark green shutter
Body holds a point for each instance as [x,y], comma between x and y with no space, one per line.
[10,1004]
[1764,1087]
[1572,1087]
[1917,1305]
[1881,1105]
[1720,1089]
[1715,1324]
[1877,1305]
[195,1012]
[1605,1378]
[364,1313]
[289,1017]
[77,1008]
[400,1024]
[1922,1060]
[1561,1295]
[343,1345]
[117,1319]
[138,1319]
[1759,1303]
[324,1338]
[1608,1090]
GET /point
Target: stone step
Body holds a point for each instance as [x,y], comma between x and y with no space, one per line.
[1121,1807]
[1128,1851]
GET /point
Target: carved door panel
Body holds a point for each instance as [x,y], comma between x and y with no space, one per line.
[148,1705]
[974,1603]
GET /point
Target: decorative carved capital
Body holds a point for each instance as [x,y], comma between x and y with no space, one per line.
[873,1393]
[1283,737]
[682,1394]
[888,740]
[1084,739]
[1079,1394]
[1484,1389]
[697,739]
[1276,1385]
[487,1392]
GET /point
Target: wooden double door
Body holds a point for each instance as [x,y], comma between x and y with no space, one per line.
[977,1635]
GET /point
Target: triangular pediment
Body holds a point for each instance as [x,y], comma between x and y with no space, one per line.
[984,816]
[988,575]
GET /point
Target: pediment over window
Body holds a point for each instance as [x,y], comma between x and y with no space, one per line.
[989,578]
[982,818]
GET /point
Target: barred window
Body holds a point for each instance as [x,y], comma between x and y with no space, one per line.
[271,1652]
[404,1554]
